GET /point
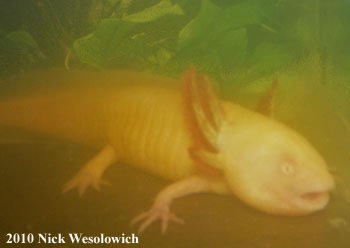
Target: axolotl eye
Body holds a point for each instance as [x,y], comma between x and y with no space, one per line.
[287,165]
[287,169]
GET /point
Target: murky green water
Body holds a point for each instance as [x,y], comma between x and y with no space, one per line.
[243,45]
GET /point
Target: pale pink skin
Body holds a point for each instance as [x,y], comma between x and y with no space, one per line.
[264,163]
[274,168]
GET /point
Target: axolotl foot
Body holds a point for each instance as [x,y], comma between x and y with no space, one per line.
[91,173]
[161,206]
[82,180]
[159,211]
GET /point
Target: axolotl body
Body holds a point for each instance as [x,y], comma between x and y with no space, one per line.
[180,132]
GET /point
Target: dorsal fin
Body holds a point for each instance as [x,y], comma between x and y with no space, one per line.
[204,118]
[267,102]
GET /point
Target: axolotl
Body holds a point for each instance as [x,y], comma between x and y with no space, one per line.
[182,132]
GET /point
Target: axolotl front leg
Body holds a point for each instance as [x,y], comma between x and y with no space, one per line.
[203,106]
[91,173]
[160,209]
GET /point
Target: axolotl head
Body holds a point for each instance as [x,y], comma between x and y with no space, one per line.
[266,164]
[273,168]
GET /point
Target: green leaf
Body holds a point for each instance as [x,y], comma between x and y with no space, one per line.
[224,54]
[163,56]
[21,46]
[98,48]
[231,48]
[164,7]
[119,37]
[18,51]
[212,23]
[25,44]
[199,26]
[216,40]
[269,56]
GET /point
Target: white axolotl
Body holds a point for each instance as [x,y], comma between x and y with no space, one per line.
[187,135]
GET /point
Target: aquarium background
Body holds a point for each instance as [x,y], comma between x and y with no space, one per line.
[241,44]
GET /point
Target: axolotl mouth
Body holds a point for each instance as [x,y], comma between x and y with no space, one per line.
[320,198]
[312,200]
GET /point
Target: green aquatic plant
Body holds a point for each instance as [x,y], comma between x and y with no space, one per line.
[18,51]
[122,37]
[233,41]
[214,40]
[240,40]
